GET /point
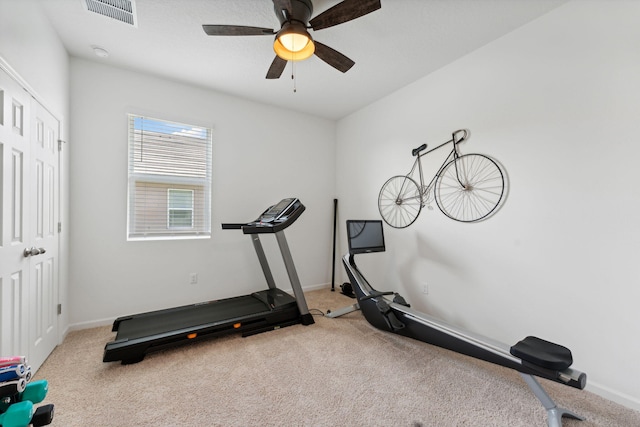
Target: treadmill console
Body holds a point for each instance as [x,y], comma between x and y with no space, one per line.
[278,211]
[276,218]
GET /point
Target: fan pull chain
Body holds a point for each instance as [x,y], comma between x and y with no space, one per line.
[293,76]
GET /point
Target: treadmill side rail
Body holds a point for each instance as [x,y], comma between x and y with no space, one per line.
[116,323]
[271,309]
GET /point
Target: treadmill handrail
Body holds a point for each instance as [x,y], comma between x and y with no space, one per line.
[232,226]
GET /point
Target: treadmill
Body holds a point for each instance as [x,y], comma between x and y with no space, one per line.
[258,312]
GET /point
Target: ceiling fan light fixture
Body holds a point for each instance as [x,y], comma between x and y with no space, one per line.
[293,42]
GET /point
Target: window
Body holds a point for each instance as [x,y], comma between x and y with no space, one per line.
[180,208]
[169,180]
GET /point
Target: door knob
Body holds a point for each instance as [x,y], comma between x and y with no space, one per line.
[33,251]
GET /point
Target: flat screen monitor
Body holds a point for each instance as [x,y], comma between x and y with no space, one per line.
[365,236]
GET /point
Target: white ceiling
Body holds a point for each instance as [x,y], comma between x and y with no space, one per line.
[392,47]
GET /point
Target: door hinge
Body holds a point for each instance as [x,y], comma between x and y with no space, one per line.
[60,144]
[59,309]
[59,227]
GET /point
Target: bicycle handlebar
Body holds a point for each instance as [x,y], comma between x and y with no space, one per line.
[463,138]
[454,139]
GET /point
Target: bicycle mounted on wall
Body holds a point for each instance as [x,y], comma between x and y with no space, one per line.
[466,187]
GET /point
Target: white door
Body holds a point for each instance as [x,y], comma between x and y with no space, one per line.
[14,273]
[29,215]
[43,226]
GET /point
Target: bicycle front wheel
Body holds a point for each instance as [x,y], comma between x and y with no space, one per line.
[400,201]
[469,188]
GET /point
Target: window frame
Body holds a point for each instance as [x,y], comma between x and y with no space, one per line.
[165,169]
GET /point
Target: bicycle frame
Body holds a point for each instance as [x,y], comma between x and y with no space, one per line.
[424,190]
[466,187]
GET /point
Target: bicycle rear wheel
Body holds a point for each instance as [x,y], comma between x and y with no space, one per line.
[469,188]
[400,201]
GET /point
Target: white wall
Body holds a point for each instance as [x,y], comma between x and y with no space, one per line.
[556,102]
[261,154]
[33,49]
[30,46]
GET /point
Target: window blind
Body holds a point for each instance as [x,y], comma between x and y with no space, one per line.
[169,193]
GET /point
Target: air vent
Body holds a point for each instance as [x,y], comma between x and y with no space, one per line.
[120,10]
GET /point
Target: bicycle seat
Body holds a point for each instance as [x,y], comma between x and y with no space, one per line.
[417,151]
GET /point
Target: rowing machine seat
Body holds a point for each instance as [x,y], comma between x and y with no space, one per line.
[543,353]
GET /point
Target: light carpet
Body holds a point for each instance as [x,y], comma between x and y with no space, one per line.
[337,372]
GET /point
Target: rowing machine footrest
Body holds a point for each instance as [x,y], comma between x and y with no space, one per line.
[543,353]
[347,290]
[376,294]
[399,299]
[389,316]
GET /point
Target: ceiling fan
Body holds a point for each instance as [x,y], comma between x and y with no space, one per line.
[293,42]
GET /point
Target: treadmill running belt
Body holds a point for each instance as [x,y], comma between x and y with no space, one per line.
[186,317]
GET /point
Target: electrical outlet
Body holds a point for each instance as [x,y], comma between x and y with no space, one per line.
[193,278]
[425,289]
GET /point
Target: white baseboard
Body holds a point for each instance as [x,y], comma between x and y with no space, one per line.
[63,335]
[90,324]
[614,396]
[316,287]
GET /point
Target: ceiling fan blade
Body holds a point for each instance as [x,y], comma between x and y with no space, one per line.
[333,57]
[277,67]
[236,30]
[343,12]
